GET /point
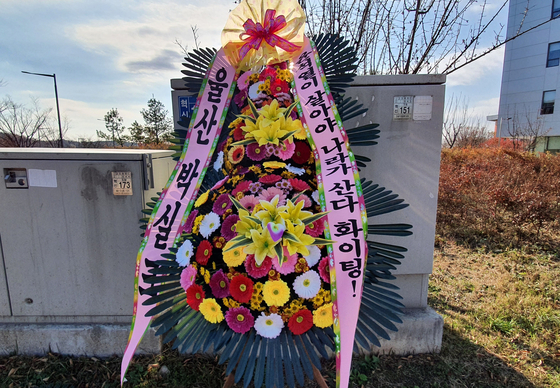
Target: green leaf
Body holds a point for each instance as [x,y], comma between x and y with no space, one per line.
[241,243]
[253,108]
[244,142]
[323,241]
[313,218]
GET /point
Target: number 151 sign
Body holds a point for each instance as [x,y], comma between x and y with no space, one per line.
[402,107]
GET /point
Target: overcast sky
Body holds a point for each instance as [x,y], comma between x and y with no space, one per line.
[117,54]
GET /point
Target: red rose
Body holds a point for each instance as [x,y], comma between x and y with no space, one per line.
[195,296]
[241,288]
[301,321]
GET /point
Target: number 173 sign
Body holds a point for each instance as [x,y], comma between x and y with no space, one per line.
[122,183]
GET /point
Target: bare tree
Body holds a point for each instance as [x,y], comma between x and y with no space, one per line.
[461,128]
[411,36]
[526,129]
[21,126]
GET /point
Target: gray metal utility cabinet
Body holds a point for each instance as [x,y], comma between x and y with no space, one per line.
[409,109]
[69,237]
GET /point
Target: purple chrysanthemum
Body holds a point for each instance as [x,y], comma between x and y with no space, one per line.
[219,283]
[256,153]
[269,150]
[223,203]
[255,187]
[284,184]
[240,319]
[228,227]
[190,221]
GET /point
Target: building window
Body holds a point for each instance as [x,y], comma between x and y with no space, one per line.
[553,54]
[556,9]
[548,98]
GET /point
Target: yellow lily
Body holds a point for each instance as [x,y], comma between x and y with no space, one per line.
[272,112]
[271,213]
[245,225]
[294,212]
[299,246]
[262,246]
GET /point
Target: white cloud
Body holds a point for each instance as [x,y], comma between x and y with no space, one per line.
[489,65]
[141,45]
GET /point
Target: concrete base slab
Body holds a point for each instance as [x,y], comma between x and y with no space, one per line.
[101,340]
[420,332]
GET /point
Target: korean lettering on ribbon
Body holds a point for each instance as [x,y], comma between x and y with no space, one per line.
[337,169]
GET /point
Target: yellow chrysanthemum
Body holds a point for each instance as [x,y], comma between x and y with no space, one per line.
[265,87]
[197,222]
[274,164]
[230,303]
[202,199]
[322,317]
[211,310]
[234,257]
[235,122]
[276,292]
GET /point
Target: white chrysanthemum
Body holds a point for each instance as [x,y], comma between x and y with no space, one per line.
[219,161]
[210,223]
[269,326]
[307,284]
[315,196]
[314,255]
[184,253]
[295,170]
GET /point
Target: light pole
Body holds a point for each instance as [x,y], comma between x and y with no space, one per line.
[53,76]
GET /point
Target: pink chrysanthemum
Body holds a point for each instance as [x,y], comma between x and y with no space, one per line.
[255,271]
[219,283]
[241,188]
[285,150]
[269,194]
[289,266]
[306,201]
[270,179]
[223,203]
[188,275]
[256,152]
[228,227]
[240,319]
[299,185]
[243,80]
[324,270]
[315,229]
[249,202]
[190,221]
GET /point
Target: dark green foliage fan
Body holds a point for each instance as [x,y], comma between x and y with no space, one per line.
[286,359]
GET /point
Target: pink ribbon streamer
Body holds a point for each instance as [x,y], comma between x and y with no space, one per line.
[337,178]
[257,33]
[180,189]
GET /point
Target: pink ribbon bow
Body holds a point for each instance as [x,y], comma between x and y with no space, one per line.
[257,33]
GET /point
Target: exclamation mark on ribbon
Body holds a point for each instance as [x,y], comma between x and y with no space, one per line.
[354,287]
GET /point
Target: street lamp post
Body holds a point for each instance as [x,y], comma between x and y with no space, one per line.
[53,76]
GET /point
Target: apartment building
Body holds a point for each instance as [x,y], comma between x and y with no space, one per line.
[529,97]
